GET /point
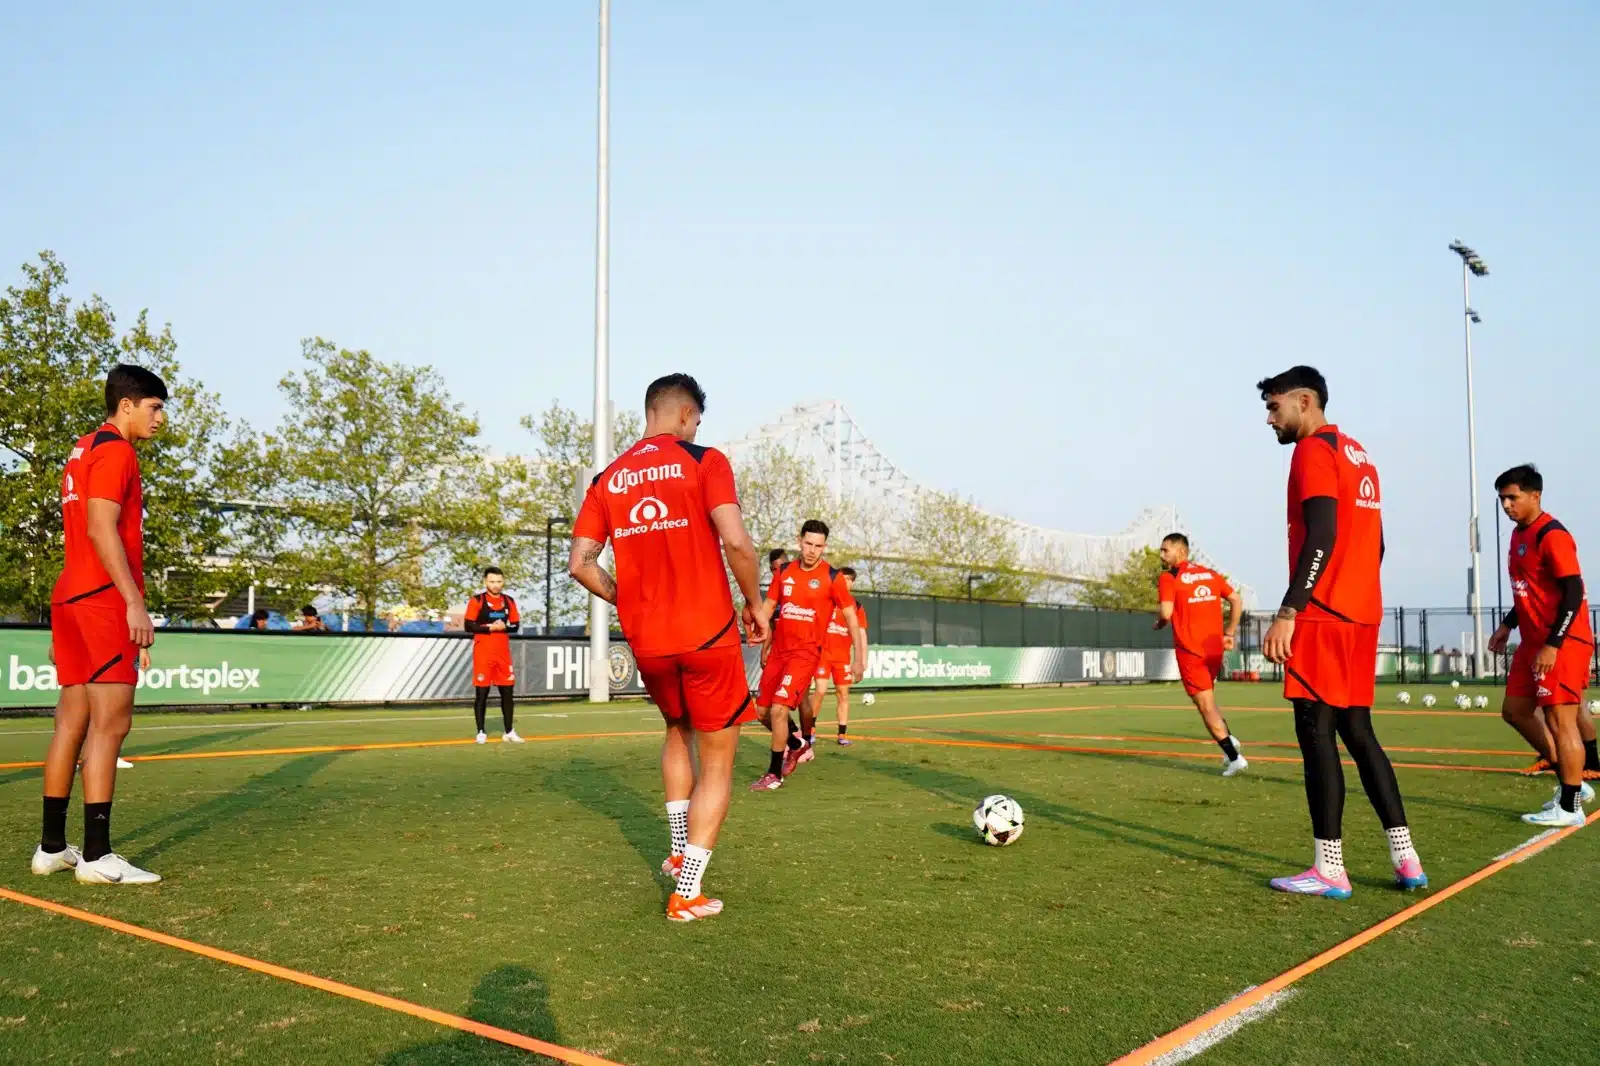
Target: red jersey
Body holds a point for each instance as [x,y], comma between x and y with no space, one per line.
[1541,555]
[806,601]
[484,609]
[837,647]
[102,466]
[1328,463]
[1196,594]
[654,505]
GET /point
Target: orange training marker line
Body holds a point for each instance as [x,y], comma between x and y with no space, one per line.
[416,1010]
[1254,743]
[1183,1034]
[1019,746]
[319,749]
[1290,710]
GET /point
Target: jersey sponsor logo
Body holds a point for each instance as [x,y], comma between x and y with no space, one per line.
[796,613]
[1201,593]
[648,509]
[1191,576]
[1369,495]
[1355,455]
[622,479]
[837,630]
[69,494]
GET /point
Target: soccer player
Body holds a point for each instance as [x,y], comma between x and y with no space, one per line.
[491,618]
[1550,669]
[99,628]
[775,560]
[671,513]
[800,603]
[1326,633]
[835,667]
[1191,602]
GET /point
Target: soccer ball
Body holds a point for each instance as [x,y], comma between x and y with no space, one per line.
[998,820]
[1455,684]
[1481,701]
[1403,697]
[1463,701]
[868,698]
[1428,700]
[1594,706]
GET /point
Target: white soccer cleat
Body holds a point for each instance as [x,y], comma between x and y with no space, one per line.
[53,862]
[483,738]
[1585,795]
[512,738]
[1550,817]
[123,764]
[1235,766]
[113,869]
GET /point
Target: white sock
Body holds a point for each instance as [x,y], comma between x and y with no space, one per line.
[678,824]
[1330,859]
[1400,848]
[694,864]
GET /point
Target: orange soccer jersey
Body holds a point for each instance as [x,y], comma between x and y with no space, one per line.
[491,649]
[1540,557]
[1348,588]
[1196,593]
[806,602]
[836,648]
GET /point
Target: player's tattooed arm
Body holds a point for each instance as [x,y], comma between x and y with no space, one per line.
[584,566]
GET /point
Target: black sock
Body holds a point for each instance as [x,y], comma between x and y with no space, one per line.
[53,838]
[842,728]
[1228,747]
[506,706]
[1569,797]
[1591,756]
[775,764]
[96,830]
[794,733]
[480,704]
[810,737]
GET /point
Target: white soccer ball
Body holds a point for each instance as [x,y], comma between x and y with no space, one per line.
[998,820]
[1455,684]
[1481,701]
[868,698]
[1428,700]
[1463,701]
[1594,706]
[1402,697]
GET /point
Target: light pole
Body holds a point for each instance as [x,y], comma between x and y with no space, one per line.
[550,525]
[1472,264]
[599,610]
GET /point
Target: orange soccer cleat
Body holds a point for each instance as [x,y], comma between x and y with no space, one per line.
[672,866]
[1541,765]
[689,910]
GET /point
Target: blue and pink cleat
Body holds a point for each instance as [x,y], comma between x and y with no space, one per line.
[1409,875]
[1311,883]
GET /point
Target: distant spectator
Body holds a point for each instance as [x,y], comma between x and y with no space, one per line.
[309,621]
[258,620]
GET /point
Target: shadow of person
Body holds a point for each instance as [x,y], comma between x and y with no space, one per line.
[509,997]
[601,790]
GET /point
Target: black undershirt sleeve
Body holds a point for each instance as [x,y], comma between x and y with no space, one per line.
[1322,529]
[1566,610]
[512,627]
[1510,620]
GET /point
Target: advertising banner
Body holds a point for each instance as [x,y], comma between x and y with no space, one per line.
[898,667]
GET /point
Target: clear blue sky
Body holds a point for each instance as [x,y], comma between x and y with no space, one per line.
[1041,250]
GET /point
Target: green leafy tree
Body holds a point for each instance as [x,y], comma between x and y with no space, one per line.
[950,538]
[1131,588]
[54,356]
[778,491]
[373,486]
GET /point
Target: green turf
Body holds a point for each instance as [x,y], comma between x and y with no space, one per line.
[865,922]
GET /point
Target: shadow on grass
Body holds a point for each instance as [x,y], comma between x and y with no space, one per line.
[274,787]
[510,997]
[178,745]
[599,789]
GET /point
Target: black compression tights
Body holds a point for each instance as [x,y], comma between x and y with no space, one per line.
[1315,725]
[480,705]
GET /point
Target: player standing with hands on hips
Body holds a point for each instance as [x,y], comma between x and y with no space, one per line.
[100,631]
[1326,633]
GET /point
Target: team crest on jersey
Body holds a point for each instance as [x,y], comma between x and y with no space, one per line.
[814,584]
[1522,550]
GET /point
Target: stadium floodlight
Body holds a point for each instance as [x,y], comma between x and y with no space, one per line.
[600,610]
[1472,264]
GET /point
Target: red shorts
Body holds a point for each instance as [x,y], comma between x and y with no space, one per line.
[1198,673]
[708,686]
[92,645]
[1563,685]
[1332,662]
[492,670]
[838,673]
[786,679]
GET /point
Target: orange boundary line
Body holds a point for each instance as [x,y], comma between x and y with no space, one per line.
[1183,1034]
[1019,746]
[375,999]
[1254,743]
[319,749]
[1290,710]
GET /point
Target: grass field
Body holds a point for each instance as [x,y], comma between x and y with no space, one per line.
[518,886]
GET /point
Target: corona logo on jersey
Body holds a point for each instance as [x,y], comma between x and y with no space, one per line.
[649,515]
[1356,456]
[623,479]
[1191,576]
[1369,493]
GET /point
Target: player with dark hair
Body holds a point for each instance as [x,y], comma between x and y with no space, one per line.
[1191,602]
[1326,632]
[837,650]
[100,631]
[1550,669]
[671,512]
[775,560]
[491,617]
[799,604]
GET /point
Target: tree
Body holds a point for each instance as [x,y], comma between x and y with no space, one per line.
[1130,588]
[951,539]
[54,356]
[374,484]
[778,491]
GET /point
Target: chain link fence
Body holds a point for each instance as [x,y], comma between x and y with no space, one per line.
[952,622]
